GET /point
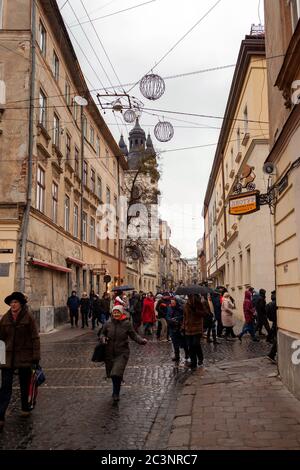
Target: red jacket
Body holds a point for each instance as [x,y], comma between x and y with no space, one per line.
[148,314]
[248,307]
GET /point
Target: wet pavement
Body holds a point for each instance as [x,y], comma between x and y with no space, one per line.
[75,410]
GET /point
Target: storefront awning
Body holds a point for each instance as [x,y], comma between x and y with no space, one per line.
[45,264]
[75,261]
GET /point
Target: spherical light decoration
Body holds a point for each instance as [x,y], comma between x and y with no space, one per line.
[152,86]
[164,131]
[129,115]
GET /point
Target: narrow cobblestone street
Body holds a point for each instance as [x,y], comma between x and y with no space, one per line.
[75,410]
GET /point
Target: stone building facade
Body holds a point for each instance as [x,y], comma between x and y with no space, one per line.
[240,248]
[59,164]
[283,48]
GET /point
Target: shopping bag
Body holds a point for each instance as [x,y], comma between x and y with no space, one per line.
[99,353]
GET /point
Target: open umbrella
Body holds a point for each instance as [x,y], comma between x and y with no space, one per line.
[122,288]
[194,289]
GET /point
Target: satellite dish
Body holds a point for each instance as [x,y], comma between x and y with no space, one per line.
[81,101]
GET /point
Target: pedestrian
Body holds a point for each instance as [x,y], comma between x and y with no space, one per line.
[118,300]
[209,320]
[272,316]
[136,311]
[84,309]
[193,314]
[249,313]
[20,335]
[216,300]
[175,322]
[73,304]
[262,320]
[162,309]
[105,305]
[115,335]
[227,316]
[97,313]
[148,314]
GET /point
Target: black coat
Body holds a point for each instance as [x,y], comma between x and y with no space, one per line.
[85,305]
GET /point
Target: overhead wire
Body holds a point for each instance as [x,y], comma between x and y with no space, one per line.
[179,41]
[112,14]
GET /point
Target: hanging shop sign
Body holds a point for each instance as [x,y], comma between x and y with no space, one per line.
[244,203]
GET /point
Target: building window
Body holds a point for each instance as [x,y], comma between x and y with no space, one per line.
[75,110]
[68,147]
[92,136]
[54,202]
[67,213]
[248,281]
[226,171]
[246,120]
[233,273]
[56,130]
[241,270]
[238,136]
[75,222]
[99,188]
[295,12]
[68,93]
[98,146]
[84,279]
[42,34]
[114,169]
[40,189]
[43,110]
[115,248]
[84,125]
[107,195]
[76,161]
[92,231]
[231,159]
[84,226]
[106,158]
[93,180]
[85,173]
[55,66]
[115,202]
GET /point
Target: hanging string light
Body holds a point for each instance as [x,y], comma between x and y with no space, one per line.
[163,131]
[129,115]
[152,86]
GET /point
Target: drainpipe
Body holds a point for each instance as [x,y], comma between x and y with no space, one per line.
[118,233]
[30,152]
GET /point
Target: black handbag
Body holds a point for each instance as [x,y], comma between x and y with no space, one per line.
[99,353]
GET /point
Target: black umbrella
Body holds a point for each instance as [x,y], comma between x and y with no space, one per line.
[122,288]
[194,289]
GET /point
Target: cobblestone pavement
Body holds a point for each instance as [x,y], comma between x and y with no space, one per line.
[236,405]
[75,411]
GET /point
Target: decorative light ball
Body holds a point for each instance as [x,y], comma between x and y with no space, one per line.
[152,86]
[164,131]
[129,115]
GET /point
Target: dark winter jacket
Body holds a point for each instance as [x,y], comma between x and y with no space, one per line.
[21,339]
[175,322]
[116,333]
[162,307]
[85,305]
[271,310]
[261,304]
[249,311]
[136,309]
[73,303]
[215,298]
[193,314]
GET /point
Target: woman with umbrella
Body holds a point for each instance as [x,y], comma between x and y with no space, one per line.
[175,320]
[193,314]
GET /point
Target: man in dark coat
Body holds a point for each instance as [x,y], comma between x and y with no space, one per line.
[261,313]
[20,335]
[84,309]
[115,334]
[73,304]
[216,301]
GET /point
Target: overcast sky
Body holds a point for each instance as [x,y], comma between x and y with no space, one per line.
[135,41]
